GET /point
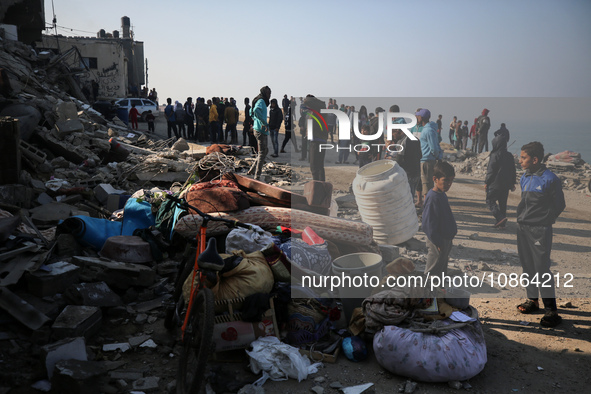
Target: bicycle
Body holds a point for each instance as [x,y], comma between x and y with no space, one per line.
[197,319]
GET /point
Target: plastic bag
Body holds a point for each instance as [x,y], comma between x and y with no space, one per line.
[248,240]
[279,361]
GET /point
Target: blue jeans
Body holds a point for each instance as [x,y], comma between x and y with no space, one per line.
[275,141]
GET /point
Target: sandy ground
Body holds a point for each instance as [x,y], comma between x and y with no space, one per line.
[522,356]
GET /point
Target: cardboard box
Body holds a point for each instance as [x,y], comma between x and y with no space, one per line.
[229,332]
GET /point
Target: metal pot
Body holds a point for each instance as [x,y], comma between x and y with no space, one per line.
[127,249]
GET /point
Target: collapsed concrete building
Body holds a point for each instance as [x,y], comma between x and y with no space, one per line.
[115,61]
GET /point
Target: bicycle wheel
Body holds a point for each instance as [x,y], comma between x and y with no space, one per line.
[197,345]
[185,269]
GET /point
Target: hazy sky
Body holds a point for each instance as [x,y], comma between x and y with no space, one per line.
[345,48]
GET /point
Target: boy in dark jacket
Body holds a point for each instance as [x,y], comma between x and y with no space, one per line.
[439,223]
[500,178]
[542,201]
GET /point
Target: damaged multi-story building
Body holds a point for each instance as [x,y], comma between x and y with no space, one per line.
[114,61]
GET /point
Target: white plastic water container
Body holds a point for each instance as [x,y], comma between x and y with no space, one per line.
[383,196]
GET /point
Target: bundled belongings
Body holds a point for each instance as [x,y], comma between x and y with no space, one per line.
[450,351]
[219,196]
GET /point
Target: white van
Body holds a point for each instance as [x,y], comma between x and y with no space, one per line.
[143,106]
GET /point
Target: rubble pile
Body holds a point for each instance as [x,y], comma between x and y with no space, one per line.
[575,174]
[71,319]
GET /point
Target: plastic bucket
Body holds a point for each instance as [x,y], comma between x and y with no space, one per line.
[355,271]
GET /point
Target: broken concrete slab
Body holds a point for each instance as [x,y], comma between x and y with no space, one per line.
[44,198]
[21,310]
[136,341]
[67,127]
[77,321]
[92,294]
[54,278]
[51,213]
[74,154]
[111,347]
[116,274]
[146,384]
[149,305]
[66,349]
[66,110]
[103,190]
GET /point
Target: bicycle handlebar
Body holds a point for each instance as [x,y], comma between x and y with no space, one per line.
[207,217]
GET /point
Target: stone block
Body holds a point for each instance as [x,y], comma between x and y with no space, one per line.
[45,198]
[146,384]
[102,192]
[92,294]
[180,145]
[57,279]
[136,341]
[116,274]
[67,127]
[66,110]
[77,321]
[66,349]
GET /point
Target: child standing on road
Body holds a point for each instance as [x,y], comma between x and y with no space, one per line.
[150,119]
[439,223]
[542,201]
[500,178]
[133,114]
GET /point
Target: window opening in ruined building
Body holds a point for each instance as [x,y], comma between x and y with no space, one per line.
[90,62]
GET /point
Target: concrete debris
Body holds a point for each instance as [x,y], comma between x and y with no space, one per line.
[574,174]
[93,294]
[77,321]
[116,274]
[146,384]
[52,279]
[66,349]
[78,377]
[111,347]
[181,145]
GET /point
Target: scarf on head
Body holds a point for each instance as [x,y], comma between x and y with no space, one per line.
[265,95]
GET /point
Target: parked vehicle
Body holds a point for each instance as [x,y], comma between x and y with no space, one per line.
[143,106]
[106,108]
